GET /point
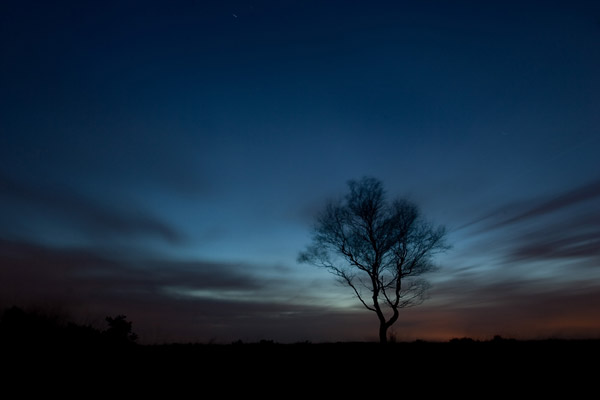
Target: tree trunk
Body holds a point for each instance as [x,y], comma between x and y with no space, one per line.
[383,327]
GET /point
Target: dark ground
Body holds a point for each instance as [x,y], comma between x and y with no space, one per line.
[457,366]
[75,361]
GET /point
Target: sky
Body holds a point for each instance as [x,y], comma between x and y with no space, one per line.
[166,160]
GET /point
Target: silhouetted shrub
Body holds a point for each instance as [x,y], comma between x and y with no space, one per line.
[83,335]
[120,330]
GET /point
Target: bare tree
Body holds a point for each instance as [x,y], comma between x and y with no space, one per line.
[376,247]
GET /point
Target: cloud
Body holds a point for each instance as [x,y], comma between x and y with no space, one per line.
[533,272]
[238,302]
[167,300]
[559,244]
[83,214]
[476,306]
[571,198]
[31,268]
[523,210]
[567,226]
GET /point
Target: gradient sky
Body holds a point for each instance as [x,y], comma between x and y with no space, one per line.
[166,160]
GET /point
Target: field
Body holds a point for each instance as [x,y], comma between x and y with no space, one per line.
[41,356]
[462,365]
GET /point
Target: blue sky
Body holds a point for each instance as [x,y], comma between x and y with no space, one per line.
[166,160]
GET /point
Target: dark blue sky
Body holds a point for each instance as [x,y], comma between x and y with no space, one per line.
[166,160]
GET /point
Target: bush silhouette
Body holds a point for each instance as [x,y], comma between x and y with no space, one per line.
[120,330]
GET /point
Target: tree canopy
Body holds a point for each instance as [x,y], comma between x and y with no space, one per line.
[378,248]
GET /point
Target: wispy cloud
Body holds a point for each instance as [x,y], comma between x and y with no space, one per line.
[560,202]
[525,210]
[513,307]
[560,241]
[166,299]
[80,213]
[566,226]
[228,301]
[533,272]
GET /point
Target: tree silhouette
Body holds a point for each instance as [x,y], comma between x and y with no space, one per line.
[376,247]
[119,330]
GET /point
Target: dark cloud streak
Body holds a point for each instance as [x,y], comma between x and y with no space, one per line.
[90,216]
[85,282]
[523,211]
[565,227]
[571,198]
[572,239]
